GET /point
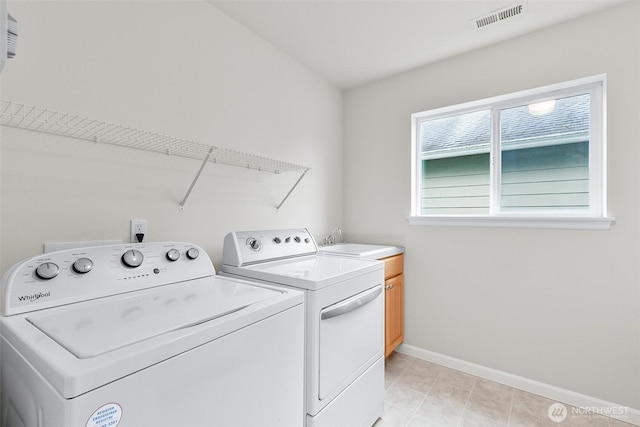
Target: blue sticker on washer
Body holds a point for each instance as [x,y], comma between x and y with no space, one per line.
[106,416]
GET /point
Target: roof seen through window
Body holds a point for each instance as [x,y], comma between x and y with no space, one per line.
[469,133]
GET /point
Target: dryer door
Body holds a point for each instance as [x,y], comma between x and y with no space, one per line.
[351,339]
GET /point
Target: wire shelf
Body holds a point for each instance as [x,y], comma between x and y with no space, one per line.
[54,122]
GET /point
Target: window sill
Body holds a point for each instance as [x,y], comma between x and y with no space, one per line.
[569,223]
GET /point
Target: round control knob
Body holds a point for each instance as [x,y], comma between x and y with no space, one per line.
[47,270]
[82,265]
[297,239]
[173,255]
[132,258]
[307,240]
[193,253]
[277,240]
[254,244]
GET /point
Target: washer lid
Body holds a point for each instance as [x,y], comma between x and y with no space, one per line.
[92,329]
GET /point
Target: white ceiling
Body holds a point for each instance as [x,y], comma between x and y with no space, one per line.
[353,42]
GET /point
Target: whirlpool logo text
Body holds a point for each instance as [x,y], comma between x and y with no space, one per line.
[34,297]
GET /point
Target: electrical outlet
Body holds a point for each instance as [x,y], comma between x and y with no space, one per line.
[138,230]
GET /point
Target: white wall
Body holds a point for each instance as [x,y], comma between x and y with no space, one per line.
[180,68]
[561,307]
[557,306]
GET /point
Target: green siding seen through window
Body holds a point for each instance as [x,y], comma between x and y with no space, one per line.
[544,160]
[548,178]
[456,185]
[455,166]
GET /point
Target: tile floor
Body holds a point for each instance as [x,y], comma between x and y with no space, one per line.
[423,394]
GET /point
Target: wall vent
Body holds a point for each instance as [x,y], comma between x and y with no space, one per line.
[500,15]
[12,36]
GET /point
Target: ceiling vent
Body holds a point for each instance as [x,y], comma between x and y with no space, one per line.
[8,34]
[500,15]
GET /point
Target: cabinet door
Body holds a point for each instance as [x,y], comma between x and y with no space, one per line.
[394,313]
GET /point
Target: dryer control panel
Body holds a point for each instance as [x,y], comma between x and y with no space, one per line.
[248,247]
[74,275]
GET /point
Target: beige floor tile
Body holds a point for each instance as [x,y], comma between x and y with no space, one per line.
[437,412]
[472,419]
[448,393]
[424,394]
[415,381]
[456,378]
[389,380]
[531,404]
[486,407]
[393,416]
[425,369]
[403,397]
[523,419]
[619,422]
[493,390]
[397,362]
[584,420]
[422,422]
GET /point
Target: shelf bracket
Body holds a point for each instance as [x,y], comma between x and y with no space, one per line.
[193,184]
[293,188]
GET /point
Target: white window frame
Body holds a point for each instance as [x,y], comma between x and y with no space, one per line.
[593,218]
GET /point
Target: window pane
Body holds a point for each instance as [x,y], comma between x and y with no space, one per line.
[455,164]
[545,156]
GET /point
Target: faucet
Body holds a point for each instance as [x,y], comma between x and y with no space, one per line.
[331,238]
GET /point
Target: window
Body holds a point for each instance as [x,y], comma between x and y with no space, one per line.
[533,159]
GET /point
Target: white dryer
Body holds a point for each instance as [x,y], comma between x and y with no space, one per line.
[344,305]
[146,335]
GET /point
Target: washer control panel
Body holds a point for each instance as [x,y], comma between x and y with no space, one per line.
[248,247]
[74,275]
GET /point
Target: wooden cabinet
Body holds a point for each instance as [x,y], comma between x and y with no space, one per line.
[394,302]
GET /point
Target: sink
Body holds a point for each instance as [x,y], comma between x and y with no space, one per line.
[361,250]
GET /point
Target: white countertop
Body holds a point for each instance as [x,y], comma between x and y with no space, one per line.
[361,250]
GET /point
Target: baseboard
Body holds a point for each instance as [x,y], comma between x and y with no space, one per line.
[630,415]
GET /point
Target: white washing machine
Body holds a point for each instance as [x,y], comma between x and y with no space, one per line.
[344,304]
[146,335]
